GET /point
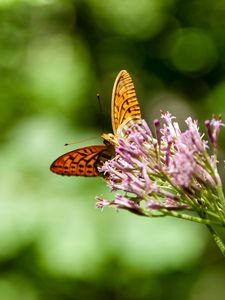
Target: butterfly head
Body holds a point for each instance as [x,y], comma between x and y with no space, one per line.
[109,139]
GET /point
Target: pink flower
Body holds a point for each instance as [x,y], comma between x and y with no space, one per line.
[213,128]
[174,171]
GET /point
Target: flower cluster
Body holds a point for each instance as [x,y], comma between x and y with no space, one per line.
[168,173]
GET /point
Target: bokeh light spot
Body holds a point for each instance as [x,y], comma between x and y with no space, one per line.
[55,67]
[147,20]
[192,51]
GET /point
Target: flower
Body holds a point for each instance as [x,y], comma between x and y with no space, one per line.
[173,171]
[213,128]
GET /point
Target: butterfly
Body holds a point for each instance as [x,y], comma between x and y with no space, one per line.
[124,108]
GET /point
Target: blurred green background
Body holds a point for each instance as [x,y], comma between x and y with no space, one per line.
[54,57]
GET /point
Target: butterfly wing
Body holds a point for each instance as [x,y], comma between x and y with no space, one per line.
[124,105]
[80,162]
[84,161]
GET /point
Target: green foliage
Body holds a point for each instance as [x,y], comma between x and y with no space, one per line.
[54,57]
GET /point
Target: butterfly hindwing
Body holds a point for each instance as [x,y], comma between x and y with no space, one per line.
[80,162]
[124,105]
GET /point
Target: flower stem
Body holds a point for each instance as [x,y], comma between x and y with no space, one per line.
[221,196]
[217,240]
[190,218]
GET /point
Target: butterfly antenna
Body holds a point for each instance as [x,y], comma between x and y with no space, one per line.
[101,111]
[80,141]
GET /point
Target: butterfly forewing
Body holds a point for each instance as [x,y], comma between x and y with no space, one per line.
[80,162]
[124,105]
[125,112]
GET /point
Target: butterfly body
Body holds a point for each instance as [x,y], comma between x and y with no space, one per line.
[124,110]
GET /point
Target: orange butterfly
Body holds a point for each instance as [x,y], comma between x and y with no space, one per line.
[85,161]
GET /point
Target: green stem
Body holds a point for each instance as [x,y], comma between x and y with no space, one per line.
[212,214]
[221,196]
[190,218]
[217,239]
